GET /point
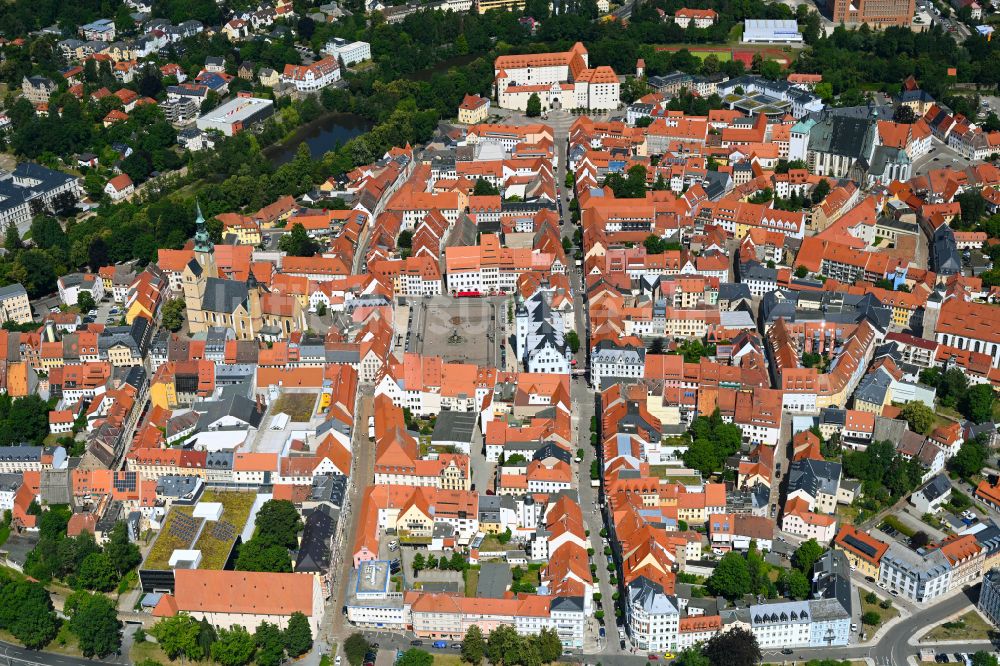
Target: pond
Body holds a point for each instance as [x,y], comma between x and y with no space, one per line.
[321,135]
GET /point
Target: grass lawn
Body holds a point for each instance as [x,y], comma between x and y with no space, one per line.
[447,660]
[471,582]
[148,650]
[491,544]
[969,627]
[899,526]
[298,406]
[885,614]
[4,534]
[847,513]
[723,54]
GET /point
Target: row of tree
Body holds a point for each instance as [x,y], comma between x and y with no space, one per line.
[79,560]
[182,636]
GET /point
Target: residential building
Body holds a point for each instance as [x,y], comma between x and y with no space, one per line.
[918,577]
[350,53]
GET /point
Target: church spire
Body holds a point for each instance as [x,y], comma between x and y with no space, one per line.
[202,241]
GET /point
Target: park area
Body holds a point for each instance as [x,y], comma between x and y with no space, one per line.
[968,627]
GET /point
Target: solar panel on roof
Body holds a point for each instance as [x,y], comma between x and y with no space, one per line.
[860,545]
[223,531]
[184,527]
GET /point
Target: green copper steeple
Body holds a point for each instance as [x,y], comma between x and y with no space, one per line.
[202,241]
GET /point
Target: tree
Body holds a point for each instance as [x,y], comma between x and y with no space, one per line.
[85,301]
[806,555]
[270,645]
[235,647]
[971,458]
[919,539]
[534,107]
[96,573]
[973,207]
[692,657]
[983,658]
[254,556]
[550,646]
[473,646]
[904,114]
[573,340]
[503,646]
[355,648]
[297,242]
[419,562]
[801,271]
[795,584]
[415,657]
[172,314]
[94,620]
[483,188]
[306,27]
[178,636]
[736,647]
[26,612]
[919,416]
[977,403]
[278,524]
[870,618]
[731,578]
[298,635]
[820,191]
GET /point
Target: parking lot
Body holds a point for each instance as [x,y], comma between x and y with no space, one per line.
[940,156]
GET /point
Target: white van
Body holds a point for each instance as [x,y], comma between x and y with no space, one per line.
[371,427]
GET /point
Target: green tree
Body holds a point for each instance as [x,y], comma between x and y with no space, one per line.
[736,647]
[415,657]
[473,646]
[419,562]
[483,188]
[96,573]
[549,645]
[26,612]
[983,658]
[871,618]
[270,644]
[534,106]
[692,657]
[977,403]
[278,523]
[94,620]
[235,647]
[297,242]
[820,191]
[731,578]
[970,459]
[503,646]
[795,584]
[298,635]
[172,314]
[806,555]
[801,271]
[178,636]
[919,416]
[355,648]
[85,301]
[254,556]
[573,340]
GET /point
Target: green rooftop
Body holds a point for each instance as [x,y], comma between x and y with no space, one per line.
[215,539]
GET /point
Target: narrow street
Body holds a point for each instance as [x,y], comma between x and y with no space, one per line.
[362,473]
[583,397]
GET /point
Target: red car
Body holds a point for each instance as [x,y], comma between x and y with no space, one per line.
[653,657]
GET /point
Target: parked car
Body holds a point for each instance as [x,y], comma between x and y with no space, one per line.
[440,644]
[416,643]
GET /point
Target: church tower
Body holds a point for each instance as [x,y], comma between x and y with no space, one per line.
[194,278]
[204,249]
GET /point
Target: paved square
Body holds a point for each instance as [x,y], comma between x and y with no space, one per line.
[457,329]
